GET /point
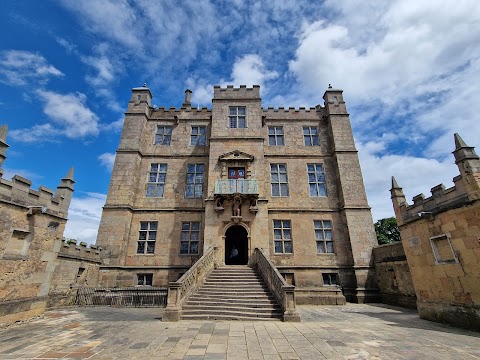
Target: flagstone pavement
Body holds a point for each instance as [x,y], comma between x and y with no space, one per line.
[354,331]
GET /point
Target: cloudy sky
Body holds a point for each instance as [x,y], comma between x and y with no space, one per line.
[410,71]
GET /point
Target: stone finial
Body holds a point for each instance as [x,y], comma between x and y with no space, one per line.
[3,133]
[144,85]
[70,174]
[394,183]
[459,143]
[330,86]
[396,191]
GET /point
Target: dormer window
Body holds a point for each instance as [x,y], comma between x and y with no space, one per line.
[237,117]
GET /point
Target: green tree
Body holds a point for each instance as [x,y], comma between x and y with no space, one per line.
[387,231]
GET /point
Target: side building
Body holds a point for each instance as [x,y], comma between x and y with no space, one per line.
[238,177]
[31,230]
[441,240]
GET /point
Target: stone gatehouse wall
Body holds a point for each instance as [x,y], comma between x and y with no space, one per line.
[393,276]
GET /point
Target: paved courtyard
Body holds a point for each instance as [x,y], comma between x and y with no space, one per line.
[326,332]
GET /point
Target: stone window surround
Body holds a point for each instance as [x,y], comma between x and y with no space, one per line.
[313,137]
[279,182]
[276,136]
[284,225]
[23,253]
[188,238]
[148,240]
[194,183]
[323,239]
[317,182]
[237,116]
[160,138]
[329,276]
[198,135]
[436,253]
[145,279]
[158,177]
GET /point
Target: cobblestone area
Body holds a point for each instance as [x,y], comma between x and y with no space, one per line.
[326,332]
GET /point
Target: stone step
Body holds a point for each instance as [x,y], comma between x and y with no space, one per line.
[220,297]
[233,293]
[222,308]
[256,303]
[228,286]
[246,314]
[230,317]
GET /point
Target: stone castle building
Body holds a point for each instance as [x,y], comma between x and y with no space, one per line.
[238,177]
[441,241]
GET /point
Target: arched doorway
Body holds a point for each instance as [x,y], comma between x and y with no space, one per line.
[236,246]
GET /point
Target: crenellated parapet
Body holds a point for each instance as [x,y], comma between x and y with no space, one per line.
[80,251]
[230,92]
[293,113]
[465,190]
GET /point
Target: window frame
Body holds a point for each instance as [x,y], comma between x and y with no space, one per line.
[276,136]
[164,135]
[310,136]
[323,239]
[198,135]
[145,277]
[146,244]
[317,183]
[283,239]
[436,252]
[330,276]
[279,182]
[188,239]
[157,183]
[236,117]
[188,183]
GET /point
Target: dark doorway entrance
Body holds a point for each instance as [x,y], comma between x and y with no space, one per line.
[236,246]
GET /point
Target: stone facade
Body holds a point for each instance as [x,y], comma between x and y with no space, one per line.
[231,177]
[440,237]
[31,228]
[393,275]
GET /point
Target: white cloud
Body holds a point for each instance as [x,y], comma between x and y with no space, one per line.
[107,160]
[23,67]
[70,113]
[38,133]
[250,70]
[84,217]
[115,126]
[27,174]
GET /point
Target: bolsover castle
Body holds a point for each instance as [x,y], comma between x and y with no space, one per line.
[237,179]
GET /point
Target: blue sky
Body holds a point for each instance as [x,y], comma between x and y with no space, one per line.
[409,71]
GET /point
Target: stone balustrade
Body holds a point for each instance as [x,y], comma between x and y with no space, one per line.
[284,293]
[180,290]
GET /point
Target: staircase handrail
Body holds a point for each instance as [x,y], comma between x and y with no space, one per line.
[283,292]
[180,290]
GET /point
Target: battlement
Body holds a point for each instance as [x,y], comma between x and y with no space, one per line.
[293,113]
[81,251]
[18,191]
[465,190]
[163,110]
[233,93]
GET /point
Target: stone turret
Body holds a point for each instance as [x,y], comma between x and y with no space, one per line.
[468,164]
[140,100]
[64,191]
[3,146]
[398,198]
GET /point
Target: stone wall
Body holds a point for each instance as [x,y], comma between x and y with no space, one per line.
[440,237]
[393,275]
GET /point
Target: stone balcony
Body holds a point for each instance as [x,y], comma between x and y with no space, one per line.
[236,186]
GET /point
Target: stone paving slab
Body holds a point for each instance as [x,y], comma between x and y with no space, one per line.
[350,332]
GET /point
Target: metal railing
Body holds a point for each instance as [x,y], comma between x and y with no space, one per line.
[283,292]
[132,297]
[240,186]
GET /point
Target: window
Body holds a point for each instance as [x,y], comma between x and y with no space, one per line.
[237,117]
[156,180]
[194,181]
[147,237]
[310,136]
[190,238]
[275,136]
[198,136]
[323,236]
[442,250]
[163,135]
[145,279]
[278,179]
[329,279]
[18,244]
[282,236]
[316,180]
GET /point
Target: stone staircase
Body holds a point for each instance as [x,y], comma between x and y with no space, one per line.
[232,293]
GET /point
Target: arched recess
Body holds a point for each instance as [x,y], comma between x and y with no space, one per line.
[237,244]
